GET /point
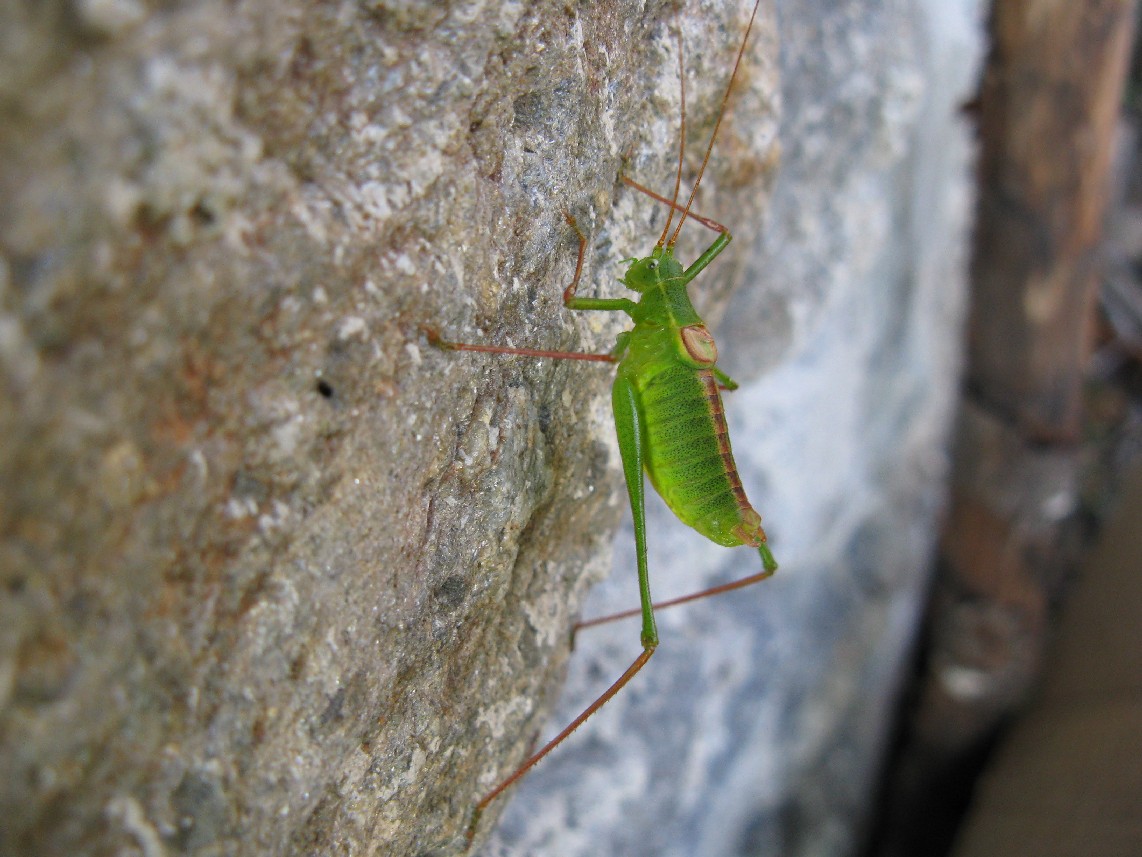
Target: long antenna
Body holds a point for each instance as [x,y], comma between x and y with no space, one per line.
[681,140]
[717,125]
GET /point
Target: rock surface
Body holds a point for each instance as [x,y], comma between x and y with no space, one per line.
[279,578]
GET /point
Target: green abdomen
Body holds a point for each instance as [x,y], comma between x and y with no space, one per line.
[687,451]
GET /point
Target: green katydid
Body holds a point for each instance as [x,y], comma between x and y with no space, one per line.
[668,415]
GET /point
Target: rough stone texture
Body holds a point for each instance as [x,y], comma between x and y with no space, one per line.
[756,729]
[277,579]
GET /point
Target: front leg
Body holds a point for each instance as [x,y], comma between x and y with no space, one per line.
[571,301]
[724,380]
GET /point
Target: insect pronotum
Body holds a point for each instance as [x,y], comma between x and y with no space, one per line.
[668,414]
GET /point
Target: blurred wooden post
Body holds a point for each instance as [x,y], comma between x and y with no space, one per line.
[1048,105]
[1049,102]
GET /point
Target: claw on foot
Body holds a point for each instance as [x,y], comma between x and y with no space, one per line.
[434,339]
[569,292]
[470,833]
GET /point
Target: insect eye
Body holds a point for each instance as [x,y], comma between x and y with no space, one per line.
[652,264]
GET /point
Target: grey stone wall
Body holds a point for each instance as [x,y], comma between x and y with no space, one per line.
[278,578]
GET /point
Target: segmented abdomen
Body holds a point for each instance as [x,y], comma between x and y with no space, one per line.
[687,451]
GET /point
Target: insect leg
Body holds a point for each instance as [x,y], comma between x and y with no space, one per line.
[435,339]
[569,292]
[638,664]
[724,236]
[707,256]
[708,222]
[684,599]
[629,429]
[724,380]
[571,301]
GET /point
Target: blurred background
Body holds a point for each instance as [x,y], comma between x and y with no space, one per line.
[1018,733]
